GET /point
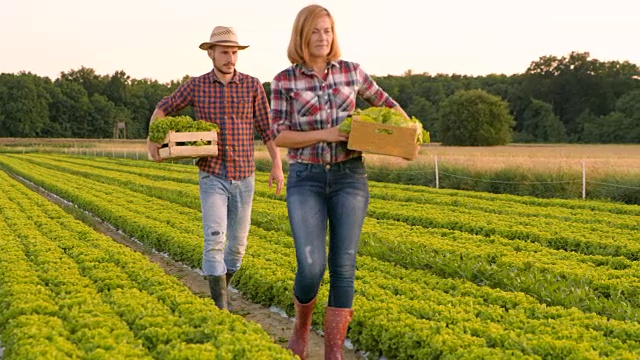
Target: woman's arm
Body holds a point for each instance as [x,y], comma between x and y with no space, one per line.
[299,139]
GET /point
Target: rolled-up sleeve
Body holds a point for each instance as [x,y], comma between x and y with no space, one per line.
[371,92]
[281,112]
[178,100]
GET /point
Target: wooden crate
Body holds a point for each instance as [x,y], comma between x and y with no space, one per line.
[383,139]
[175,147]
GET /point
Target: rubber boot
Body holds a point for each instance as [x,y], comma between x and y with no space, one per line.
[218,287]
[299,340]
[229,276]
[336,323]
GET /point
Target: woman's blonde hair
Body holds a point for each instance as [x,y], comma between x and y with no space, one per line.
[298,51]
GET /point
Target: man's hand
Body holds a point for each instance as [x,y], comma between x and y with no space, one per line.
[153,149]
[276,176]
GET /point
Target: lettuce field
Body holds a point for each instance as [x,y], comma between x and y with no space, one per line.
[441,274]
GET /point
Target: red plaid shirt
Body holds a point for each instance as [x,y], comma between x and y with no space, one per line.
[302,101]
[236,108]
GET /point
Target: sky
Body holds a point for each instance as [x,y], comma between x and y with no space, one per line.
[159,39]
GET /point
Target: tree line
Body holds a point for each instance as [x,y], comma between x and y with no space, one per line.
[573,98]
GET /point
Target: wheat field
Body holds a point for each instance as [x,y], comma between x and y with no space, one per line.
[597,159]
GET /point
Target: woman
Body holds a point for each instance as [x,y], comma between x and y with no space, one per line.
[326,181]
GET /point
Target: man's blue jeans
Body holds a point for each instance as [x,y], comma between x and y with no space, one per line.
[337,193]
[226,216]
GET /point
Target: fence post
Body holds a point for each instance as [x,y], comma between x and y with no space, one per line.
[437,175]
[584,181]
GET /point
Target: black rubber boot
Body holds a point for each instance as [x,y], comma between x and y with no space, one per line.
[218,288]
[229,276]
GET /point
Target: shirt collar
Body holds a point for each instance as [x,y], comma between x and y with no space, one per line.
[237,77]
[304,69]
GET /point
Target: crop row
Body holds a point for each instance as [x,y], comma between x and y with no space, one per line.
[448,318]
[606,285]
[69,292]
[580,231]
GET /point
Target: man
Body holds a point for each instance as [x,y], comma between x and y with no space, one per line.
[237,103]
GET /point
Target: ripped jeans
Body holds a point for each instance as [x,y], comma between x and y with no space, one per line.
[226,217]
[316,194]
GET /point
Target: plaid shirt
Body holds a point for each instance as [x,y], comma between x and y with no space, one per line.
[302,101]
[236,108]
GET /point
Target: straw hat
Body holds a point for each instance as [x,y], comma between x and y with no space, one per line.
[222,35]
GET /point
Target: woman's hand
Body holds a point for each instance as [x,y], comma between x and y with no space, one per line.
[335,135]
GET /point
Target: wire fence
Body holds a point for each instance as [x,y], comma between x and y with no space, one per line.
[434,173]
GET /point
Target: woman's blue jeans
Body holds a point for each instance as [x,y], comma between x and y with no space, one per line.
[226,218]
[316,194]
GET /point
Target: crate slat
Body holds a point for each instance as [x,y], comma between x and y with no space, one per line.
[177,149]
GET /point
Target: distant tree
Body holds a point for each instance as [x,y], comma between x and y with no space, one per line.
[629,105]
[71,109]
[24,110]
[117,87]
[586,126]
[142,98]
[605,129]
[542,124]
[56,128]
[87,77]
[102,116]
[474,118]
[426,112]
[582,93]
[576,83]
[619,127]
[267,89]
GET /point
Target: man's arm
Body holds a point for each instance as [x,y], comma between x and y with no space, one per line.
[276,174]
[178,100]
[262,125]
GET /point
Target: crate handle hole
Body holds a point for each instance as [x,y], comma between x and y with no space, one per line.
[384,131]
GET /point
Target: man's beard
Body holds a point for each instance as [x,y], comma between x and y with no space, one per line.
[222,71]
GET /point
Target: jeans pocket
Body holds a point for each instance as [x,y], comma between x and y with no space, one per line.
[298,174]
[203,175]
[303,172]
[357,169]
